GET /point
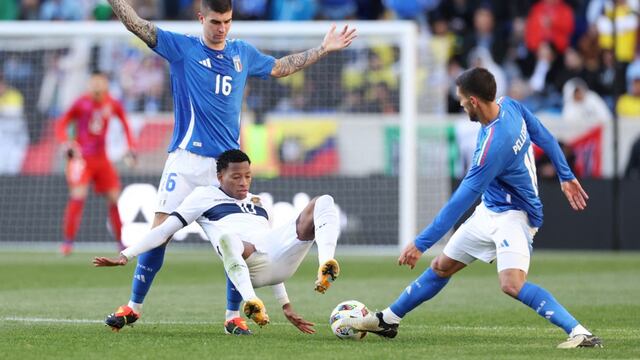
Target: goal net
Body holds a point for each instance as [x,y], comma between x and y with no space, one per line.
[346,126]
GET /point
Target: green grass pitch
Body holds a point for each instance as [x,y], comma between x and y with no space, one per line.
[53,307]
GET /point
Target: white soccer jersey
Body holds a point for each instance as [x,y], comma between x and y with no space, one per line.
[221,213]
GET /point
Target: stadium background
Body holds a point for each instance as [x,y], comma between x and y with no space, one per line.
[335,127]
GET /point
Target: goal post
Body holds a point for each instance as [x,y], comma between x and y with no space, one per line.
[324,130]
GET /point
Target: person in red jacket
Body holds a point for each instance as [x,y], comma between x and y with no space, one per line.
[549,21]
[87,156]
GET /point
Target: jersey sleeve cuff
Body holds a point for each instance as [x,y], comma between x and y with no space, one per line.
[182,220]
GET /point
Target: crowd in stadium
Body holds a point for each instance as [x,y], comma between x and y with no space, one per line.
[555,56]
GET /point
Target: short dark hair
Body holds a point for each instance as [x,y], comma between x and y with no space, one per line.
[231,156]
[478,82]
[219,6]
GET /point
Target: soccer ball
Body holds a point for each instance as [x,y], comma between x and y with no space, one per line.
[348,309]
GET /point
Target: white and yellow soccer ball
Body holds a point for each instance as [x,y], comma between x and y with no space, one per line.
[348,309]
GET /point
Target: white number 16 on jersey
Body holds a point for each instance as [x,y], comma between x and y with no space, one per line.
[225,84]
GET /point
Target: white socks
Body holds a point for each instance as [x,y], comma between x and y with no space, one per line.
[231,314]
[579,330]
[135,307]
[327,227]
[231,249]
[389,317]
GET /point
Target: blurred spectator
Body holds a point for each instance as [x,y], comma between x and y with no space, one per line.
[61,10]
[29,10]
[8,10]
[250,9]
[337,9]
[293,10]
[549,21]
[545,167]
[609,79]
[485,35]
[102,11]
[65,77]
[544,95]
[629,103]
[626,29]
[370,9]
[459,14]
[14,137]
[573,68]
[411,9]
[481,57]
[184,9]
[142,82]
[633,166]
[582,104]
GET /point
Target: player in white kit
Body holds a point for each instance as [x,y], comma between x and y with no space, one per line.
[254,254]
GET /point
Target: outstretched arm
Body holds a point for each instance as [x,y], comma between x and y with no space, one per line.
[332,42]
[156,237]
[280,292]
[144,29]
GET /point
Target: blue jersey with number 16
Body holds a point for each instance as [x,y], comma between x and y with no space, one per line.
[208,86]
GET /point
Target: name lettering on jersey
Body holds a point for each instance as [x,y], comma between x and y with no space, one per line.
[521,139]
[206,63]
[237,64]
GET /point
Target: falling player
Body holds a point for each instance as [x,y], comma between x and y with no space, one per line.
[208,77]
[87,156]
[505,222]
[254,255]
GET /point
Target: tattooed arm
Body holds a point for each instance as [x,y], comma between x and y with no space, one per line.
[295,62]
[145,30]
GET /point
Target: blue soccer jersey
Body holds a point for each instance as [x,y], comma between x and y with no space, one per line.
[503,170]
[208,86]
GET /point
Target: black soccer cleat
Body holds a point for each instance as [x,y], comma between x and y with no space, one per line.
[123,316]
[386,330]
[581,340]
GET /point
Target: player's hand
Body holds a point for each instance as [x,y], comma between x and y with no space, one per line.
[575,194]
[336,41]
[71,150]
[105,261]
[131,159]
[297,320]
[410,256]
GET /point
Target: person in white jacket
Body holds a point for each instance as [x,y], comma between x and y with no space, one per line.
[582,104]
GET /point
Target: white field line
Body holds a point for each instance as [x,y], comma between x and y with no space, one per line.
[404,326]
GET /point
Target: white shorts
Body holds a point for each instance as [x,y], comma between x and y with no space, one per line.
[183,172]
[278,253]
[488,235]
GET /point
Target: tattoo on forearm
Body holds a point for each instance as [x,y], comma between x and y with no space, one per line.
[145,30]
[296,62]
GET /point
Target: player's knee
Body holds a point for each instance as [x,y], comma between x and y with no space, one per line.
[439,267]
[510,288]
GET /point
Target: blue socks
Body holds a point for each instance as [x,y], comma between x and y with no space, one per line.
[233,296]
[422,289]
[149,264]
[542,302]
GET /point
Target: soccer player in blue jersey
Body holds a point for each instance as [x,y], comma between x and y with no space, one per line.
[502,227]
[208,77]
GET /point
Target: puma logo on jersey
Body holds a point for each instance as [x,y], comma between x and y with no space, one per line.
[206,63]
